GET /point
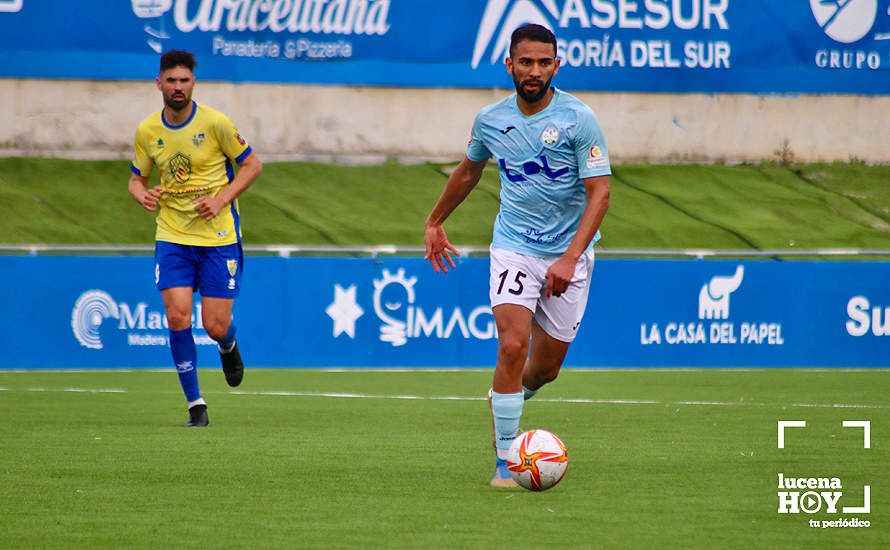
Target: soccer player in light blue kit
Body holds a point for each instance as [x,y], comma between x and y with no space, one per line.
[554,170]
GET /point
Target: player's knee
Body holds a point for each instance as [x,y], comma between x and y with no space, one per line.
[216,328]
[512,350]
[179,319]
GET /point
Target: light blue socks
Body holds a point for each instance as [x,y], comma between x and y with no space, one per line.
[506,409]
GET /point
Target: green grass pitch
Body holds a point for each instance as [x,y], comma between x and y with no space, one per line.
[327,459]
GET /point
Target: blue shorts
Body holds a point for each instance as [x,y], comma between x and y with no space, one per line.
[214,271]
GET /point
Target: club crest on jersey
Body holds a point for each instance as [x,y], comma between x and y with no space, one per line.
[198,139]
[232,265]
[181,167]
[550,136]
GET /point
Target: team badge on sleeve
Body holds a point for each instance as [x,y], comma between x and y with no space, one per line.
[239,138]
[596,158]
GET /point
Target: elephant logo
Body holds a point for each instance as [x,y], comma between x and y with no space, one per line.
[713,300]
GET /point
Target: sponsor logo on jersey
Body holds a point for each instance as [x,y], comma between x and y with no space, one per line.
[531,168]
[596,158]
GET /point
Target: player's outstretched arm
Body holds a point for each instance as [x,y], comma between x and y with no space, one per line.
[464,178]
[139,190]
[248,170]
[560,273]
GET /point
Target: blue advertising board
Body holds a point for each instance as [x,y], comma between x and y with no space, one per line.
[104,312]
[737,46]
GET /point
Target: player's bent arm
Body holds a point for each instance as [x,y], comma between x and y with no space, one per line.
[248,171]
[438,250]
[138,187]
[559,274]
[597,189]
[464,178]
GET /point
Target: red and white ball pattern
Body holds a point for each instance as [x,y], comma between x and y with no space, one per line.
[537,460]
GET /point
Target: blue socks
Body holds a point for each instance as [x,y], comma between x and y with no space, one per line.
[225,345]
[506,408]
[185,357]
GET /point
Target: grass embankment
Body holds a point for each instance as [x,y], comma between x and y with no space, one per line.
[765,206]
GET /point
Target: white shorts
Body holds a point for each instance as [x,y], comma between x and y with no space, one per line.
[519,279]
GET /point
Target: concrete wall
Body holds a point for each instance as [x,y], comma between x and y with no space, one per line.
[97,119]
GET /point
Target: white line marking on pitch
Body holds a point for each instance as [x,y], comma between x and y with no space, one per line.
[555,400]
[78,390]
[345,395]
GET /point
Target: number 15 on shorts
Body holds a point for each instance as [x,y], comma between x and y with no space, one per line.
[515,287]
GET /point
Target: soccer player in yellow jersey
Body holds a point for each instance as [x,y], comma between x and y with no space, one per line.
[198,240]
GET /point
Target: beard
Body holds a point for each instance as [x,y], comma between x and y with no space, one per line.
[177,102]
[532,97]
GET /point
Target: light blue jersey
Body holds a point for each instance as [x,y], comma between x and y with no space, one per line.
[541,159]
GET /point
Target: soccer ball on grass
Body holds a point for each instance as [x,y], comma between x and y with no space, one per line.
[537,460]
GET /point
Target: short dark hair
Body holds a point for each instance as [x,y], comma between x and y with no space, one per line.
[536,33]
[178,58]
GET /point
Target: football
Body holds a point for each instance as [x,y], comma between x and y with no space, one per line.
[537,460]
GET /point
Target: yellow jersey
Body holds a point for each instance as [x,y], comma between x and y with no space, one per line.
[195,159]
